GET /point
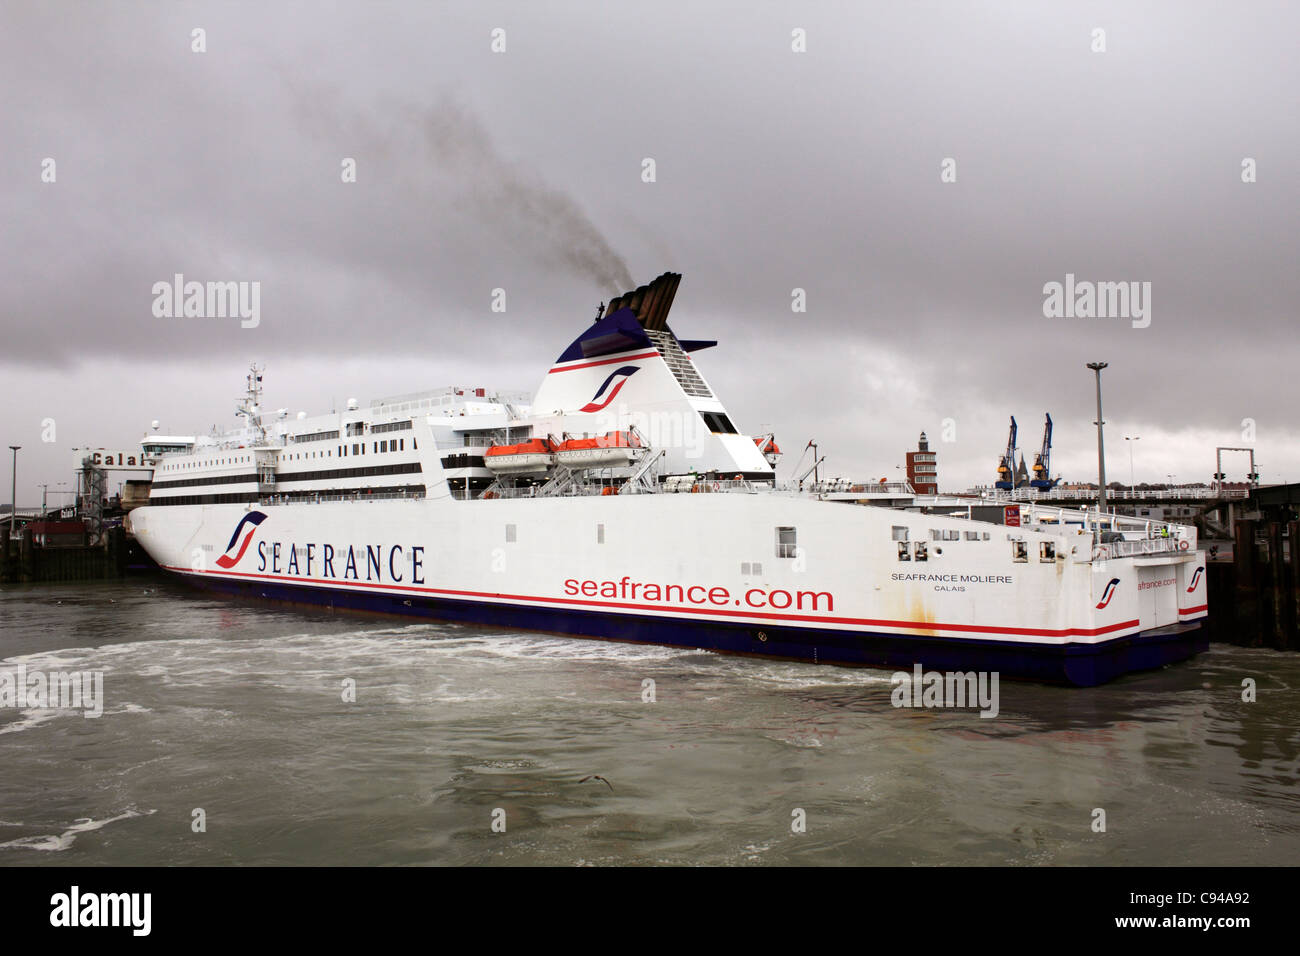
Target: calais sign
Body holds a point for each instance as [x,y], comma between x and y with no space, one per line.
[113,459]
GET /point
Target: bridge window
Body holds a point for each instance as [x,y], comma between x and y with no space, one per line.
[1019,551]
[785,543]
[920,551]
[903,553]
[1046,551]
[717,422]
[899,532]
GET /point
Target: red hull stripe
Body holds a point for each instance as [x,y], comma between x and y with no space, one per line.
[663,609]
[621,358]
[1194,610]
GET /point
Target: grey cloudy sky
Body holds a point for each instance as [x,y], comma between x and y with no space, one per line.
[775,170]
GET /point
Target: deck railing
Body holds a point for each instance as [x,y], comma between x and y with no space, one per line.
[1203,493]
[1140,546]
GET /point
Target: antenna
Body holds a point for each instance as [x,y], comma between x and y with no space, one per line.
[251,406]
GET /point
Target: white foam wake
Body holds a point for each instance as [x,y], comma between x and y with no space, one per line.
[64,840]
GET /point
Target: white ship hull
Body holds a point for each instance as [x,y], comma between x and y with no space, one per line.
[670,570]
[751,568]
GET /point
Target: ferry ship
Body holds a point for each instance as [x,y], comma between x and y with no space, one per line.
[621,501]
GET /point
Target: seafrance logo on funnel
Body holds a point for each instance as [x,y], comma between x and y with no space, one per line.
[1107,594]
[622,374]
[1196,579]
[254,518]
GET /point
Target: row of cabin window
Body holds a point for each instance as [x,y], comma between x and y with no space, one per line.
[377,447]
[900,533]
[355,429]
[1046,551]
[176,466]
[919,550]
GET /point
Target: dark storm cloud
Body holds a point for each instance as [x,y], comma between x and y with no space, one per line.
[775,170]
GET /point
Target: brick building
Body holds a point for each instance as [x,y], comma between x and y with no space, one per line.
[922,472]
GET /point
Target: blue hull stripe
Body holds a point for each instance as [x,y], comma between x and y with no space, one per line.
[1083,665]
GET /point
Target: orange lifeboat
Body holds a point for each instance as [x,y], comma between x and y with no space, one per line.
[611,450]
[530,457]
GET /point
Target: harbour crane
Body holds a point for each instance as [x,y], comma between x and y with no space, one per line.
[1043,463]
[1006,479]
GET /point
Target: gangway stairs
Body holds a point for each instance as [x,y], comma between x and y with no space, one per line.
[640,481]
[561,481]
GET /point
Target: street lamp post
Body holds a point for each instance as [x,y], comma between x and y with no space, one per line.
[1131,483]
[1101,445]
[45,493]
[13,493]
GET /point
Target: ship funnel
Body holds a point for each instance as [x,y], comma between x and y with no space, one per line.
[650,303]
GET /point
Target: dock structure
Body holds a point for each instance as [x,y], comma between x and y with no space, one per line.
[1213,508]
[1256,598]
[53,551]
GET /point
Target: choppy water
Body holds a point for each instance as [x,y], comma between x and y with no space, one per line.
[238,710]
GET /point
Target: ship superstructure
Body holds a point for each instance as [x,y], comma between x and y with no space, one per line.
[622,501]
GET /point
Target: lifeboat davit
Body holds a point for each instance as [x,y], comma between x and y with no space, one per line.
[530,457]
[611,450]
[768,447]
